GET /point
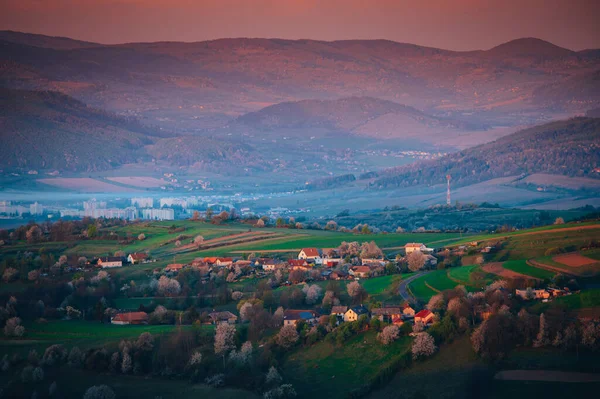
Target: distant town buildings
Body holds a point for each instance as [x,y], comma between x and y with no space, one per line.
[112,213]
[158,214]
[36,209]
[142,202]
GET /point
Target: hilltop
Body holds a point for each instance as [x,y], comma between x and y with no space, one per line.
[209,84]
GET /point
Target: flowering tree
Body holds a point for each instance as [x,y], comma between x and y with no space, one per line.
[246,311]
[278,317]
[168,286]
[260,223]
[13,328]
[237,295]
[198,241]
[436,302]
[33,235]
[542,338]
[313,293]
[355,290]
[224,339]
[416,261]
[195,359]
[423,346]
[389,335]
[330,299]
[10,274]
[243,356]
[370,250]
[287,336]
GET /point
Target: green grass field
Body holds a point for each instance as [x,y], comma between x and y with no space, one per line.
[462,273]
[521,266]
[384,288]
[327,371]
[428,285]
[585,299]
[72,384]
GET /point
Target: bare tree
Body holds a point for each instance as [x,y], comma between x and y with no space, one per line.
[99,392]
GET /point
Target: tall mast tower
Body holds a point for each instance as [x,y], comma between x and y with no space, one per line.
[448,177]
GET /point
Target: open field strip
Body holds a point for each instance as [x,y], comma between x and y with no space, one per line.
[521,266]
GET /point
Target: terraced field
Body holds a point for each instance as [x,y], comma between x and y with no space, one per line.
[521,266]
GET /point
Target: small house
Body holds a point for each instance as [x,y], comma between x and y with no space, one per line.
[223,317]
[408,311]
[137,257]
[424,316]
[272,264]
[299,264]
[224,262]
[360,271]
[174,267]
[355,312]
[339,310]
[110,261]
[388,314]
[292,317]
[311,254]
[130,318]
[414,246]
[338,275]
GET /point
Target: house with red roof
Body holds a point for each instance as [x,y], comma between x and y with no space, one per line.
[424,316]
[312,254]
[299,264]
[174,267]
[137,257]
[130,318]
[360,271]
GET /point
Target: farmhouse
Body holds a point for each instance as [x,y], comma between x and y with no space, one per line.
[332,262]
[354,313]
[223,262]
[174,267]
[130,318]
[407,311]
[299,264]
[338,275]
[272,264]
[414,246]
[312,254]
[424,316]
[339,310]
[137,257]
[360,271]
[388,314]
[110,261]
[532,294]
[292,317]
[223,317]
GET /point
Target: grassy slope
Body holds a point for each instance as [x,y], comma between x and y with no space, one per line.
[327,371]
[521,266]
[425,287]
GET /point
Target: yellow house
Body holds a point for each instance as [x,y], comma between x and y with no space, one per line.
[407,311]
[354,313]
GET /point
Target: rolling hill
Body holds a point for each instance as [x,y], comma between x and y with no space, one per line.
[49,130]
[570,148]
[207,85]
[360,116]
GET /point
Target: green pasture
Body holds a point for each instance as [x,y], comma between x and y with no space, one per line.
[326,370]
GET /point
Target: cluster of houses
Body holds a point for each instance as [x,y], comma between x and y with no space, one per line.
[545,294]
[396,315]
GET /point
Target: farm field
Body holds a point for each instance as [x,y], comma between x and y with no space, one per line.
[521,266]
[334,372]
[384,288]
[567,263]
[428,285]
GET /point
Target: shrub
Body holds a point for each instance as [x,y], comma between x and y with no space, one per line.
[99,392]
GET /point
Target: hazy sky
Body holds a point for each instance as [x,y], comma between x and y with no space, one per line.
[450,24]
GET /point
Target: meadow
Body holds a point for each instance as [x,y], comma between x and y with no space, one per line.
[327,370]
[521,266]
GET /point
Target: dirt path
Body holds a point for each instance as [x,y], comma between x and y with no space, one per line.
[546,375]
[497,269]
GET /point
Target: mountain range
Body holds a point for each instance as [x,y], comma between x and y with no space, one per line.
[309,109]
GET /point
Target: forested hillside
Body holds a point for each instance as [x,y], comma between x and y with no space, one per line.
[50,130]
[570,148]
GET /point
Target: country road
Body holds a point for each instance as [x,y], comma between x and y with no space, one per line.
[403,287]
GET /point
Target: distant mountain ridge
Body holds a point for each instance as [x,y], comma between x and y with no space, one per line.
[570,147]
[207,85]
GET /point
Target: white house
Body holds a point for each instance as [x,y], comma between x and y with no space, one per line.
[110,261]
[313,254]
[414,246]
